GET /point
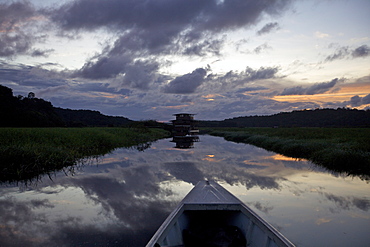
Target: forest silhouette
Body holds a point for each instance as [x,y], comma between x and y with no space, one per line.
[20,111]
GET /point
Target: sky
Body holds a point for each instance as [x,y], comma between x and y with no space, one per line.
[218,59]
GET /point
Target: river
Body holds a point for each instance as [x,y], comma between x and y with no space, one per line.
[120,199]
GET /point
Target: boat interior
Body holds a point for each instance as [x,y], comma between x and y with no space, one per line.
[214,228]
[210,216]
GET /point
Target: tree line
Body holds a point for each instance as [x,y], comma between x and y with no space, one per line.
[340,117]
[19,111]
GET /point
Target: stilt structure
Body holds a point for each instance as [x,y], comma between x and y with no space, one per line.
[185,132]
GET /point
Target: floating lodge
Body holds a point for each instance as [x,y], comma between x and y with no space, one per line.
[184,131]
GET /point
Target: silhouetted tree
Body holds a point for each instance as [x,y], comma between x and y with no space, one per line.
[31,95]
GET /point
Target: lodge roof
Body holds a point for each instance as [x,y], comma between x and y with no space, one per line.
[189,114]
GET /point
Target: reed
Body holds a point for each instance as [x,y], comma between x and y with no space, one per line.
[28,152]
[339,149]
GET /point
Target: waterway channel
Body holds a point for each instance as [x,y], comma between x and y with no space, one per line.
[120,199]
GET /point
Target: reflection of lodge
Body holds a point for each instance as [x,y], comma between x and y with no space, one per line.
[185,132]
[185,142]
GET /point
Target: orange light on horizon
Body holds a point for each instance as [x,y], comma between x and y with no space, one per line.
[330,97]
[344,93]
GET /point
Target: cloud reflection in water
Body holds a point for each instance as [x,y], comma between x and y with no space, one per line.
[123,200]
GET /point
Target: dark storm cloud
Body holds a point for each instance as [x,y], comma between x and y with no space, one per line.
[260,74]
[86,14]
[187,83]
[362,51]
[314,89]
[148,28]
[358,101]
[14,39]
[25,75]
[126,61]
[366,99]
[204,47]
[136,74]
[13,14]
[321,87]
[14,45]
[234,79]
[346,52]
[105,67]
[200,15]
[268,28]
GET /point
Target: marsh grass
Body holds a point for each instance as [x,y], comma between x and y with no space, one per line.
[28,152]
[339,149]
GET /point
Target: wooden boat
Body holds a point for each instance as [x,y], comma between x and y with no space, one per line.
[211,216]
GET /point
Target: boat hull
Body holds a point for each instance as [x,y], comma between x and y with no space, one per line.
[209,206]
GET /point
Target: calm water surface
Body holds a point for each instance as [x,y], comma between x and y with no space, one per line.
[123,199]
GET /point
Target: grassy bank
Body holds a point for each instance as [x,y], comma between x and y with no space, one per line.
[339,149]
[28,152]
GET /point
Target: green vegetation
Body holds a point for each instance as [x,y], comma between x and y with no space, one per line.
[339,149]
[28,152]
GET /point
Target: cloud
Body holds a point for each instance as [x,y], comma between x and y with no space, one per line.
[149,29]
[261,48]
[361,51]
[263,208]
[14,45]
[31,76]
[269,27]
[105,67]
[199,15]
[205,47]
[321,35]
[366,99]
[123,68]
[17,23]
[187,83]
[340,53]
[234,80]
[349,202]
[236,14]
[260,74]
[19,222]
[346,52]
[185,171]
[317,88]
[51,91]
[41,53]
[358,100]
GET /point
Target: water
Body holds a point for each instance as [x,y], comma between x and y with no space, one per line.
[123,199]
